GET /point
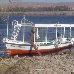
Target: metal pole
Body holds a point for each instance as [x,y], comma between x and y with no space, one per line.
[24,28]
[37,34]
[46,35]
[70,30]
[23,33]
[64,31]
[7,27]
[56,31]
[34,38]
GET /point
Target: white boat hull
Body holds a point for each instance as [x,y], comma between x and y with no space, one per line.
[23,49]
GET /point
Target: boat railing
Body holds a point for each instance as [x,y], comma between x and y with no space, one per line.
[48,42]
[25,22]
[55,41]
[16,30]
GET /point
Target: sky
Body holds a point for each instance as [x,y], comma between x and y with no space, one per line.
[37,0]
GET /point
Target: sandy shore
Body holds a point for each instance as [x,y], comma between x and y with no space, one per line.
[41,13]
[61,63]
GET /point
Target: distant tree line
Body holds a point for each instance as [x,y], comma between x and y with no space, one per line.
[28,9]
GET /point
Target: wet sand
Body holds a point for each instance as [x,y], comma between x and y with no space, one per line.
[56,63]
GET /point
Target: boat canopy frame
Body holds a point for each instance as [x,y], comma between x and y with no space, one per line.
[51,26]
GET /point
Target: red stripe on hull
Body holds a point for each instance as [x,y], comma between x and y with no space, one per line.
[18,51]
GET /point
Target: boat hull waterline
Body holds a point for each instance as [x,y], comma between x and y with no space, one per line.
[25,51]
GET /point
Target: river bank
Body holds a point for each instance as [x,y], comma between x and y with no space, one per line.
[60,63]
[41,13]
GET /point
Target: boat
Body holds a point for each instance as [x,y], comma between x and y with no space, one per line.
[43,41]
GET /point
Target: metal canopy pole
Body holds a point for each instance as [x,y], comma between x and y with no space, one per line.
[64,32]
[56,31]
[7,27]
[46,35]
[23,34]
[70,30]
[34,38]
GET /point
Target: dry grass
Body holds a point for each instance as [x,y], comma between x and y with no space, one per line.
[61,63]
